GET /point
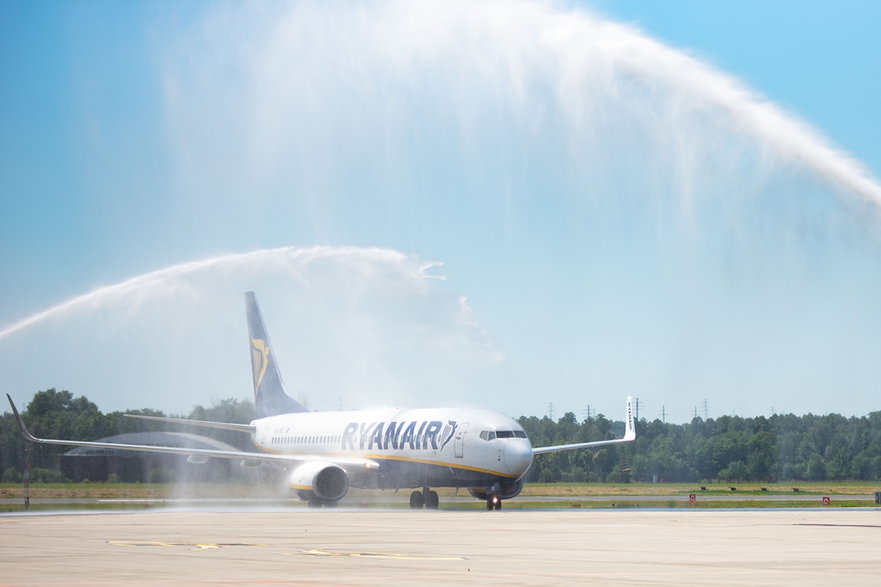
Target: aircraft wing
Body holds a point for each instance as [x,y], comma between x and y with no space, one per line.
[629,436]
[220,454]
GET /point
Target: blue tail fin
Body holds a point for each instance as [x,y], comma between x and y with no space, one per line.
[270,398]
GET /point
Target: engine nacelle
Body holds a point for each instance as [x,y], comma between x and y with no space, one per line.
[506,490]
[324,480]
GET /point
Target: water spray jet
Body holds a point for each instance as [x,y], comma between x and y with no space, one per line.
[351,321]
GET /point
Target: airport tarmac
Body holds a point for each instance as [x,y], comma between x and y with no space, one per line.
[393,547]
[401,500]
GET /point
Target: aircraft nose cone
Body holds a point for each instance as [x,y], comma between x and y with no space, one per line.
[518,457]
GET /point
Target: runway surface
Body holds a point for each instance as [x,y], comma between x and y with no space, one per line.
[401,500]
[376,547]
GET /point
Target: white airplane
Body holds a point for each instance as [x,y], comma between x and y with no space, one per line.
[389,448]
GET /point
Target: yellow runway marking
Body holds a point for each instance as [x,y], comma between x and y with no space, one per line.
[316,552]
[198,546]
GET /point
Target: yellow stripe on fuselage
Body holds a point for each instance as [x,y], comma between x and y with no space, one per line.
[437,464]
[378,457]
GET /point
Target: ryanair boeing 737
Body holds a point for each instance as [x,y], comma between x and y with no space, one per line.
[324,453]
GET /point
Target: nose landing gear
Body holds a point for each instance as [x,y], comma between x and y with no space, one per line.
[493,503]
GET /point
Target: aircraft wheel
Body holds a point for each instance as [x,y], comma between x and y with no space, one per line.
[489,505]
[431,500]
[498,505]
[417,500]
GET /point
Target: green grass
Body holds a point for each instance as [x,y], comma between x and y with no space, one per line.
[784,488]
[574,496]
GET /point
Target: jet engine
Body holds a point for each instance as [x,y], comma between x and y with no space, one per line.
[322,480]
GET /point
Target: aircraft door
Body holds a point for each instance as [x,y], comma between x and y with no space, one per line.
[459,441]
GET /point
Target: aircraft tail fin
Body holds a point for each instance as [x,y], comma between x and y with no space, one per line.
[270,397]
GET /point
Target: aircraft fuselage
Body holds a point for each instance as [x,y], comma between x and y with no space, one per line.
[431,447]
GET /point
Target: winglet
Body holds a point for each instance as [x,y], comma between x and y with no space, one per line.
[630,428]
[21,426]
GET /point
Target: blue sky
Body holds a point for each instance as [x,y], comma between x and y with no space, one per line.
[816,59]
[668,209]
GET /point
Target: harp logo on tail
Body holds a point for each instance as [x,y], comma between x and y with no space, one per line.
[259,360]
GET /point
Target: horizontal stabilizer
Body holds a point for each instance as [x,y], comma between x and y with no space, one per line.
[199,423]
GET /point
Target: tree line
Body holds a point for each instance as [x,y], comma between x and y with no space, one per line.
[783,447]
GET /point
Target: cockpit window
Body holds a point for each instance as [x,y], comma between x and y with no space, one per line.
[493,434]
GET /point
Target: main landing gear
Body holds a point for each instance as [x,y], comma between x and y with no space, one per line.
[426,498]
[317,502]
